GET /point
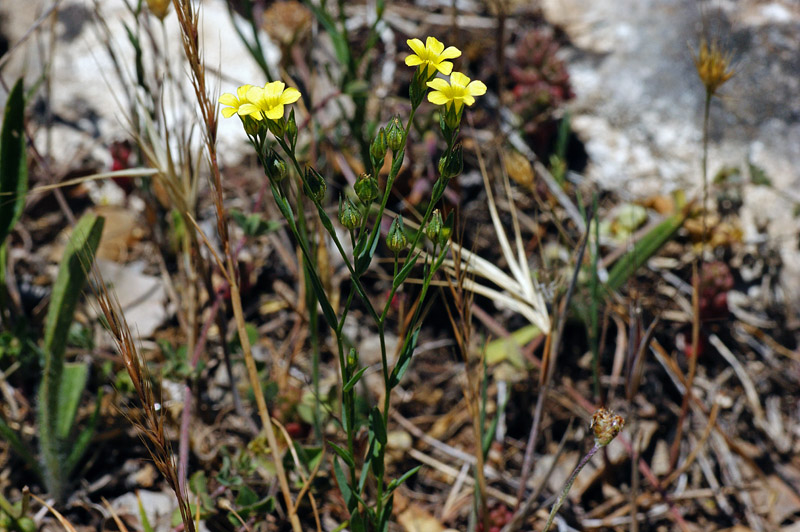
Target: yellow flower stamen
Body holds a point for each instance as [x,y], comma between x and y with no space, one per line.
[458,92]
[432,56]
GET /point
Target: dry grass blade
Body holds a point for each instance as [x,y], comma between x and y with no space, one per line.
[61,519]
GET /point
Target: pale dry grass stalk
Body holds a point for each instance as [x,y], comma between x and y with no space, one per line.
[461,320]
[188,18]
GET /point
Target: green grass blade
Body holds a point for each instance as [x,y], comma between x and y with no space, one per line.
[13,162]
[643,250]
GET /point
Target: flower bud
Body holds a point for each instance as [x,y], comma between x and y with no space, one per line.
[396,240]
[315,185]
[366,188]
[434,227]
[291,129]
[352,358]
[606,426]
[278,127]
[251,125]
[276,167]
[395,133]
[349,216]
[377,151]
[451,165]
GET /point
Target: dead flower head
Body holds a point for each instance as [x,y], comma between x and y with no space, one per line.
[606,426]
[713,65]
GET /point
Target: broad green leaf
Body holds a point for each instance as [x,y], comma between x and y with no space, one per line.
[73,382]
[72,274]
[81,443]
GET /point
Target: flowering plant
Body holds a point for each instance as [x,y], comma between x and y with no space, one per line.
[263,115]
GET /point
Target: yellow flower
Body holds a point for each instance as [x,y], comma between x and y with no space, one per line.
[458,92]
[235,102]
[269,101]
[433,54]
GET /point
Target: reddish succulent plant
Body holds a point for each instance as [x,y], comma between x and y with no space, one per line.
[540,79]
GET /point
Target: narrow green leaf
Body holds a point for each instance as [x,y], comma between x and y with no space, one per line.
[405,271]
[383,519]
[343,453]
[396,483]
[344,487]
[403,360]
[354,379]
[376,423]
[643,250]
[13,162]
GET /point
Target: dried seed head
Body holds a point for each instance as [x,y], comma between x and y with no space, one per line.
[713,65]
[606,426]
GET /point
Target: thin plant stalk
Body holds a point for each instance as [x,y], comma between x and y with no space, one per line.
[188,21]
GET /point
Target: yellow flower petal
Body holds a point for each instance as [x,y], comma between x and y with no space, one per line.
[290,95]
[445,67]
[254,94]
[457,78]
[438,84]
[469,100]
[229,99]
[413,60]
[434,45]
[250,109]
[476,88]
[274,89]
[241,92]
[228,112]
[437,98]
[276,113]
[451,52]
[416,46]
